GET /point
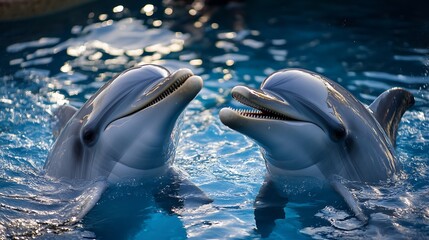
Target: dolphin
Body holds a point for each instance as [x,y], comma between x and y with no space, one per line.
[314,132]
[127,130]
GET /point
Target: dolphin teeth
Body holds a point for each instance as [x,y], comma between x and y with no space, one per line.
[173,87]
[258,111]
[255,113]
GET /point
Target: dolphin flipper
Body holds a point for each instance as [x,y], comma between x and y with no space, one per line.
[176,192]
[349,199]
[269,206]
[192,195]
[389,107]
[90,198]
[62,114]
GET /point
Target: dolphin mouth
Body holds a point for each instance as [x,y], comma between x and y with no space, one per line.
[173,83]
[164,89]
[264,106]
[258,111]
[267,106]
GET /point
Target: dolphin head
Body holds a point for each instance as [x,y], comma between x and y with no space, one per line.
[127,129]
[293,118]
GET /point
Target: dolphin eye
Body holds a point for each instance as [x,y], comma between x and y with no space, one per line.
[89,137]
[338,134]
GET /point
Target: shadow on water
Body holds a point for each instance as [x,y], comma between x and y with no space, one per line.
[125,210]
[282,203]
[120,213]
[269,206]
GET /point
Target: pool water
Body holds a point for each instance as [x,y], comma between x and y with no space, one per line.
[367,48]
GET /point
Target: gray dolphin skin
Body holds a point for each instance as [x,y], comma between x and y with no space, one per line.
[127,129]
[310,127]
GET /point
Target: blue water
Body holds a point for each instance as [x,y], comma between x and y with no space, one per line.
[65,58]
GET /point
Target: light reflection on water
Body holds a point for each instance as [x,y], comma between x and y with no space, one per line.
[41,72]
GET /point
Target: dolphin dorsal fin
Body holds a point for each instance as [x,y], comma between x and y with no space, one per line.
[389,107]
[62,114]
